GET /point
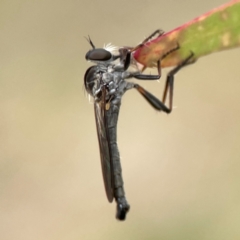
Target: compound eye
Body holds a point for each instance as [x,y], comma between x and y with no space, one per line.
[98,54]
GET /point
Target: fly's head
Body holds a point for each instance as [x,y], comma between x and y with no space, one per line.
[94,76]
[99,56]
[100,75]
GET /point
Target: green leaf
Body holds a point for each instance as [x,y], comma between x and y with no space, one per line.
[214,31]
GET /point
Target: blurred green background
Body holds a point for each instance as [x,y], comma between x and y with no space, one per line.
[181,171]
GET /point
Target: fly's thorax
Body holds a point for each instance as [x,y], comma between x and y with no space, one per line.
[115,94]
[107,77]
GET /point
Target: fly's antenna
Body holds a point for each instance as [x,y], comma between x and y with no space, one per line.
[90,41]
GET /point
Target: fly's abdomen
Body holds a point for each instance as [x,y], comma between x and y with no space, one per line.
[119,194]
[112,118]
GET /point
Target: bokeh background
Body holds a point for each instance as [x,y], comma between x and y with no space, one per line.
[181,171]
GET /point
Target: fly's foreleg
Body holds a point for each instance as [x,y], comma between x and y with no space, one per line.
[126,52]
[158,32]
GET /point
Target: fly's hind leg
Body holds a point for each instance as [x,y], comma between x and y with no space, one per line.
[169,85]
[155,102]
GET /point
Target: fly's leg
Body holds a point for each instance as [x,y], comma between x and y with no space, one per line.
[155,102]
[158,31]
[170,51]
[169,85]
[125,52]
[141,76]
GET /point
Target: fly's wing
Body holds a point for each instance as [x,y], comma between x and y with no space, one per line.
[99,108]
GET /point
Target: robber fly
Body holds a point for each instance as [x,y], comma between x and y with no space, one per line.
[106,83]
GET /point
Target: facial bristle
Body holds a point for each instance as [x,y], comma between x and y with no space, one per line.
[110,47]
